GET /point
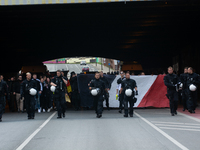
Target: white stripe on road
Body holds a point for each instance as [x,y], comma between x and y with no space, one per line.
[179,129]
[176,126]
[178,123]
[163,133]
[34,133]
[190,117]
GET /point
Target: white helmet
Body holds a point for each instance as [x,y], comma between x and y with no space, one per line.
[192,87]
[53,88]
[128,92]
[32,91]
[181,85]
[94,92]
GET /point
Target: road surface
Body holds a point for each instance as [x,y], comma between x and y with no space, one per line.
[71,67]
[152,129]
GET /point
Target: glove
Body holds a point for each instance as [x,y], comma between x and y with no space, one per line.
[116,96]
[136,93]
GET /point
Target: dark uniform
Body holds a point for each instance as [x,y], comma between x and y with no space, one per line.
[98,100]
[30,99]
[3,90]
[75,92]
[128,84]
[171,81]
[59,95]
[121,96]
[105,93]
[192,95]
[183,80]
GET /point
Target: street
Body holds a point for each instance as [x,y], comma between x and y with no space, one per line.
[152,129]
[77,68]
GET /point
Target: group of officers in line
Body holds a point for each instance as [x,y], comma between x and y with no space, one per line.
[99,88]
[187,85]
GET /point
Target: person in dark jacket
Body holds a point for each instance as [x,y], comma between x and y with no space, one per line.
[11,96]
[20,102]
[192,79]
[107,85]
[171,81]
[26,86]
[75,91]
[3,93]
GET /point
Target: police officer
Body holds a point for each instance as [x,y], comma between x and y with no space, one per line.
[3,92]
[60,83]
[171,81]
[75,92]
[121,96]
[183,80]
[128,87]
[26,86]
[98,87]
[192,79]
[107,85]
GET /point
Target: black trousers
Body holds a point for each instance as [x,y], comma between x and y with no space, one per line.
[98,104]
[60,102]
[2,106]
[192,100]
[106,97]
[173,99]
[131,103]
[30,105]
[121,101]
[43,101]
[184,99]
[76,99]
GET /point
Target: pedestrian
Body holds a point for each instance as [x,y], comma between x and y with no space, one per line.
[60,84]
[43,100]
[39,92]
[171,81]
[193,80]
[120,95]
[11,96]
[27,85]
[75,92]
[16,92]
[107,85]
[97,88]
[127,88]
[49,95]
[183,86]
[3,93]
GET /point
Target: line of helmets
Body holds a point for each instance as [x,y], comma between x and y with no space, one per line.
[96,91]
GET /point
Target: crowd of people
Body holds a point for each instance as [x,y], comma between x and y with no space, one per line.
[16,94]
[19,92]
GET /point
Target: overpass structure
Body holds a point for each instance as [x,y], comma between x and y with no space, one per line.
[154,33]
[36,2]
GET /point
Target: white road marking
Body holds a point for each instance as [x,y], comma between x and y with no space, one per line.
[190,117]
[78,68]
[34,133]
[176,126]
[159,122]
[163,133]
[179,129]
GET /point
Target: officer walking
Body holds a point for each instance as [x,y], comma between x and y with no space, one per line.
[127,89]
[171,81]
[107,85]
[3,92]
[183,80]
[193,80]
[97,88]
[60,84]
[121,96]
[28,91]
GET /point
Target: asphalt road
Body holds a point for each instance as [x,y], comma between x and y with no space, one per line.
[152,129]
[71,67]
